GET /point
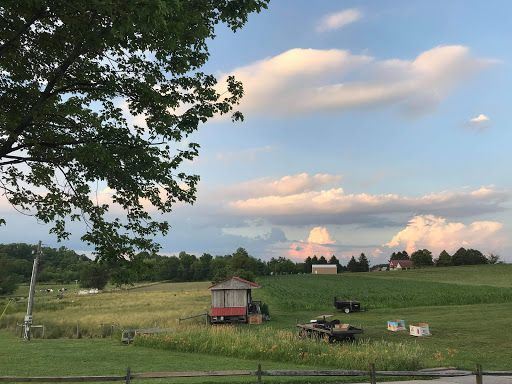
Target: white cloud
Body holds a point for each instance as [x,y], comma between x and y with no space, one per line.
[335,203]
[318,243]
[337,20]
[319,235]
[288,185]
[480,119]
[481,122]
[436,234]
[303,81]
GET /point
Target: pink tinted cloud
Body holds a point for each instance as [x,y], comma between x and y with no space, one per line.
[316,245]
[436,234]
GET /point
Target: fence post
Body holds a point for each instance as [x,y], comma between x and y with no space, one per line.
[373,378]
[44,329]
[259,373]
[479,374]
[78,331]
[112,330]
[101,331]
[156,324]
[128,374]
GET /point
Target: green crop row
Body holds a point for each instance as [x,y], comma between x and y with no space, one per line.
[316,292]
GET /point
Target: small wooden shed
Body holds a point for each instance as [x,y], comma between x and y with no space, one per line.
[324,269]
[232,301]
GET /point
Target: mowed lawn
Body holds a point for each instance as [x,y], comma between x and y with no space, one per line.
[106,357]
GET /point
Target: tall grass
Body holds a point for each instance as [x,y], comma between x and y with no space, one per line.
[285,346]
[136,308]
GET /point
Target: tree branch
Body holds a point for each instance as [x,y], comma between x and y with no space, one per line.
[5,46]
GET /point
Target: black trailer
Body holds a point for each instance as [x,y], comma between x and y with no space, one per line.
[348,306]
[329,331]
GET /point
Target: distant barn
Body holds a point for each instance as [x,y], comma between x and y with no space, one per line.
[398,265]
[324,269]
[232,301]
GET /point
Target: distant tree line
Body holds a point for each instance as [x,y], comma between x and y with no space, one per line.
[64,266]
[424,258]
[57,265]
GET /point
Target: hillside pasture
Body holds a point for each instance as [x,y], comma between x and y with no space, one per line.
[497,275]
[468,322]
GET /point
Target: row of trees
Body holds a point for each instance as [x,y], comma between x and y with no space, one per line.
[65,266]
[424,258]
[57,265]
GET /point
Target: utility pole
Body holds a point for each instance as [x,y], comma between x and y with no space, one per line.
[28,317]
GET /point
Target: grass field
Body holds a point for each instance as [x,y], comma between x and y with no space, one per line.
[467,308]
[103,357]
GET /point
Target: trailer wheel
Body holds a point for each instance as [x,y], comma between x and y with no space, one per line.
[346,310]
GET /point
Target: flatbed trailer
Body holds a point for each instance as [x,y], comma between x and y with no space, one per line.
[348,306]
[329,331]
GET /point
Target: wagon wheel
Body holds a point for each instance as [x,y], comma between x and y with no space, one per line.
[346,310]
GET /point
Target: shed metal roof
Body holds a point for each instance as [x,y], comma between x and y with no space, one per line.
[230,284]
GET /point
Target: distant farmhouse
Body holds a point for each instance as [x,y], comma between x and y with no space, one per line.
[232,302]
[398,265]
[324,269]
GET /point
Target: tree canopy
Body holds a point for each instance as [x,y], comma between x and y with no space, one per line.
[67,70]
[422,258]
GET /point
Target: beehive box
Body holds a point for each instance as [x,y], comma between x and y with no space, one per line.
[419,329]
[396,325]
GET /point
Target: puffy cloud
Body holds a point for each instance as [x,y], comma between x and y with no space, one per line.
[436,234]
[301,81]
[480,119]
[334,206]
[288,185]
[480,122]
[319,235]
[337,20]
[318,243]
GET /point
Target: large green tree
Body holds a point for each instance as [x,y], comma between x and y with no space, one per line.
[66,67]
[444,259]
[422,258]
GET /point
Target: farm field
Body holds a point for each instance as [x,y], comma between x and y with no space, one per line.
[492,275]
[468,322]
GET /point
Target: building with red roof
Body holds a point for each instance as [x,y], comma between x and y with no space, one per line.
[398,265]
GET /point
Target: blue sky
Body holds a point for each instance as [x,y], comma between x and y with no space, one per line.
[370,127]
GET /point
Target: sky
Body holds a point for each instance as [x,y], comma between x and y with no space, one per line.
[370,127]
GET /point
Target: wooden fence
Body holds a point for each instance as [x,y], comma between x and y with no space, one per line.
[259,373]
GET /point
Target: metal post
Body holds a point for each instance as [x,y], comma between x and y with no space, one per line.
[479,374]
[373,378]
[101,331]
[30,306]
[78,331]
[156,324]
[76,283]
[259,373]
